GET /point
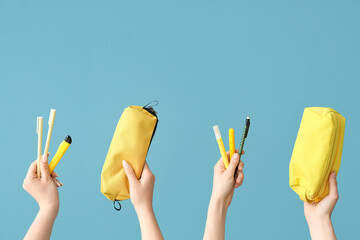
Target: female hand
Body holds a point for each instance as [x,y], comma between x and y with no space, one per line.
[224,181]
[44,189]
[323,209]
[224,184]
[141,190]
[141,195]
[318,215]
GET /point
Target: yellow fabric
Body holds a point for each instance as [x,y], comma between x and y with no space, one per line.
[317,152]
[130,142]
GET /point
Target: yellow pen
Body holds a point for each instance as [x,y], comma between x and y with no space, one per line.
[60,153]
[231,142]
[221,146]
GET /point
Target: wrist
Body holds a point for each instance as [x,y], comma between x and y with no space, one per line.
[218,202]
[52,208]
[316,219]
[319,222]
[49,211]
[144,208]
[321,228]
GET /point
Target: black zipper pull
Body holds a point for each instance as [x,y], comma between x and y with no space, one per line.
[149,107]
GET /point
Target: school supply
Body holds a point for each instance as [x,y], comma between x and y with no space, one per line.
[245,133]
[221,146]
[60,153]
[131,141]
[39,131]
[62,148]
[317,152]
[231,142]
[51,125]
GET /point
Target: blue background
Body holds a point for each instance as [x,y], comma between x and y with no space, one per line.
[207,62]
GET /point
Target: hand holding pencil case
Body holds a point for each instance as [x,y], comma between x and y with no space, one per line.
[131,141]
[317,152]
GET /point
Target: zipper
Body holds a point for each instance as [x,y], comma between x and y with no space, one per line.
[336,149]
[332,158]
[152,112]
[341,131]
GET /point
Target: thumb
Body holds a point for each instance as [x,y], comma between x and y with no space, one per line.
[146,170]
[44,168]
[233,163]
[129,172]
[333,186]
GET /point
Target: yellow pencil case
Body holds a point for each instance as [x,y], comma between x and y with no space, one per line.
[317,152]
[131,141]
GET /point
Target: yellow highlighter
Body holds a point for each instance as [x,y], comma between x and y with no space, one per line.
[231,142]
[221,146]
[60,153]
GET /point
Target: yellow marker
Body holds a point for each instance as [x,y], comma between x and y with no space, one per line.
[231,142]
[221,146]
[60,153]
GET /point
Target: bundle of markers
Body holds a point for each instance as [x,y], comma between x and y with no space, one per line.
[62,148]
[231,141]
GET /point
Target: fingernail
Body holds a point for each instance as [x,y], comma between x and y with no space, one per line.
[44,159]
[236,156]
[125,164]
[333,174]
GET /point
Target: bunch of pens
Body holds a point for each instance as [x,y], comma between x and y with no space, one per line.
[231,141]
[62,148]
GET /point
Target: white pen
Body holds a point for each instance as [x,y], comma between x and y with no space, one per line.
[51,125]
[39,131]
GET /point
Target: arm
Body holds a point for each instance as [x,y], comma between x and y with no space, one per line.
[141,195]
[318,215]
[224,185]
[44,191]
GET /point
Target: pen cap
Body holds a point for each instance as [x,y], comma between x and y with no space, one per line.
[247,126]
[68,139]
[217,132]
[39,125]
[52,116]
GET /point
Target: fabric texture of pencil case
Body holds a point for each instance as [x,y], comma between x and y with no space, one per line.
[317,152]
[131,141]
